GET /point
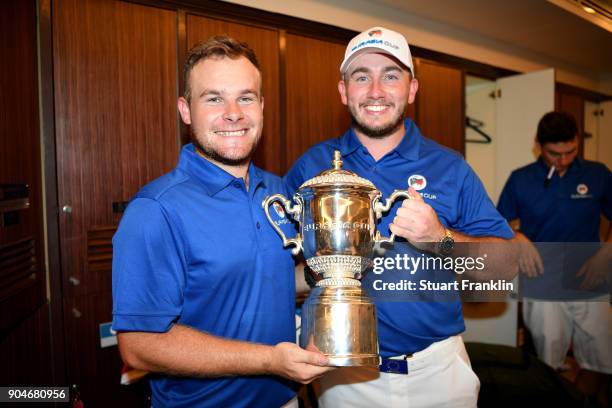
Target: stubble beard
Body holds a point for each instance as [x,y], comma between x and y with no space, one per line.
[213,154]
[377,132]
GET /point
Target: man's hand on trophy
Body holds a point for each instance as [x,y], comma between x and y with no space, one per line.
[295,363]
[417,222]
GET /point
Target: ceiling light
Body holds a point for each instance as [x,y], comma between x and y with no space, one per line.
[588,10]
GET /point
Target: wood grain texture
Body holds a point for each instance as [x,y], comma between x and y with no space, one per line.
[440,104]
[96,370]
[25,353]
[115,116]
[25,340]
[20,156]
[313,108]
[265,44]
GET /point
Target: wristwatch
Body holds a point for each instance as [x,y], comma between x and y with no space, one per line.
[447,243]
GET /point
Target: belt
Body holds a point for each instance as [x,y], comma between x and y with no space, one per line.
[420,359]
[393,366]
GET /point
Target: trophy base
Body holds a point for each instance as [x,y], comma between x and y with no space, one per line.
[353,361]
[340,322]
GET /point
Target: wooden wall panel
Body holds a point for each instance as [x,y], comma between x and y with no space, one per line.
[115,116]
[313,108]
[19,165]
[25,353]
[25,336]
[96,370]
[265,44]
[440,104]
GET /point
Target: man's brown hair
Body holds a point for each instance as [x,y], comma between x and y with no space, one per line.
[216,47]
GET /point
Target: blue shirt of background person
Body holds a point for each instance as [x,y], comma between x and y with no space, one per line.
[559,200]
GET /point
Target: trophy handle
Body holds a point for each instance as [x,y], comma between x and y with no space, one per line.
[380,208]
[293,210]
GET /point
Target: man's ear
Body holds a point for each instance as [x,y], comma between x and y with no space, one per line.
[412,90]
[183,107]
[342,90]
[537,147]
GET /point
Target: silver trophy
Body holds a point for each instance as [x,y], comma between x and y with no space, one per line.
[337,212]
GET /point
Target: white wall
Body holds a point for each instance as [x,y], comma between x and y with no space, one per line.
[492,323]
[480,106]
[599,147]
[359,15]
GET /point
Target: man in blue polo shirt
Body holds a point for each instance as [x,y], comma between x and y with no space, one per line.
[559,199]
[448,204]
[203,293]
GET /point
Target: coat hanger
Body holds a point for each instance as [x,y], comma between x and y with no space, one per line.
[475,125]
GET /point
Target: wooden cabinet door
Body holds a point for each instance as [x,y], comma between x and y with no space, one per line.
[440,103]
[265,44]
[116,122]
[574,105]
[313,110]
[115,90]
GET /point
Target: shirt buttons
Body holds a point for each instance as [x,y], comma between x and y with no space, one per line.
[236,183]
[258,225]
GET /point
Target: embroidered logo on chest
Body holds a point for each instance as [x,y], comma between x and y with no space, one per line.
[583,192]
[280,211]
[417,182]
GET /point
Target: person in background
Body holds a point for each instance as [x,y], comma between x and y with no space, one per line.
[560,199]
[448,204]
[203,291]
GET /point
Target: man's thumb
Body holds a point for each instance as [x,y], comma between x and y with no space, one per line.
[414,195]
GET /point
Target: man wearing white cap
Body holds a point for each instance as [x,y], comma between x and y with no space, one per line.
[424,362]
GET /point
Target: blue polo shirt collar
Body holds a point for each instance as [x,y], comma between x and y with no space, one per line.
[211,176]
[408,147]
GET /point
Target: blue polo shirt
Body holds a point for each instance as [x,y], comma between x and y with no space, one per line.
[567,210]
[194,247]
[562,218]
[446,183]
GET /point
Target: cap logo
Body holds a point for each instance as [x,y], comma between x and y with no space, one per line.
[417,182]
[582,189]
[364,43]
[376,33]
[280,211]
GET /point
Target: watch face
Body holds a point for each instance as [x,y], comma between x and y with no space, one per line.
[446,245]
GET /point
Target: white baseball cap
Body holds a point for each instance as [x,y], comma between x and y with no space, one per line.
[378,39]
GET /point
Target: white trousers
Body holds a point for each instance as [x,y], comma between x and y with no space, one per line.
[439,376]
[587,326]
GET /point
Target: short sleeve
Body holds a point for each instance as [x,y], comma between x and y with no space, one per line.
[148,270]
[508,205]
[477,214]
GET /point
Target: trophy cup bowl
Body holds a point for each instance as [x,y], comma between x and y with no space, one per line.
[337,213]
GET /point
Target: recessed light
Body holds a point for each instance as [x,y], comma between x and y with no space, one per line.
[588,10]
